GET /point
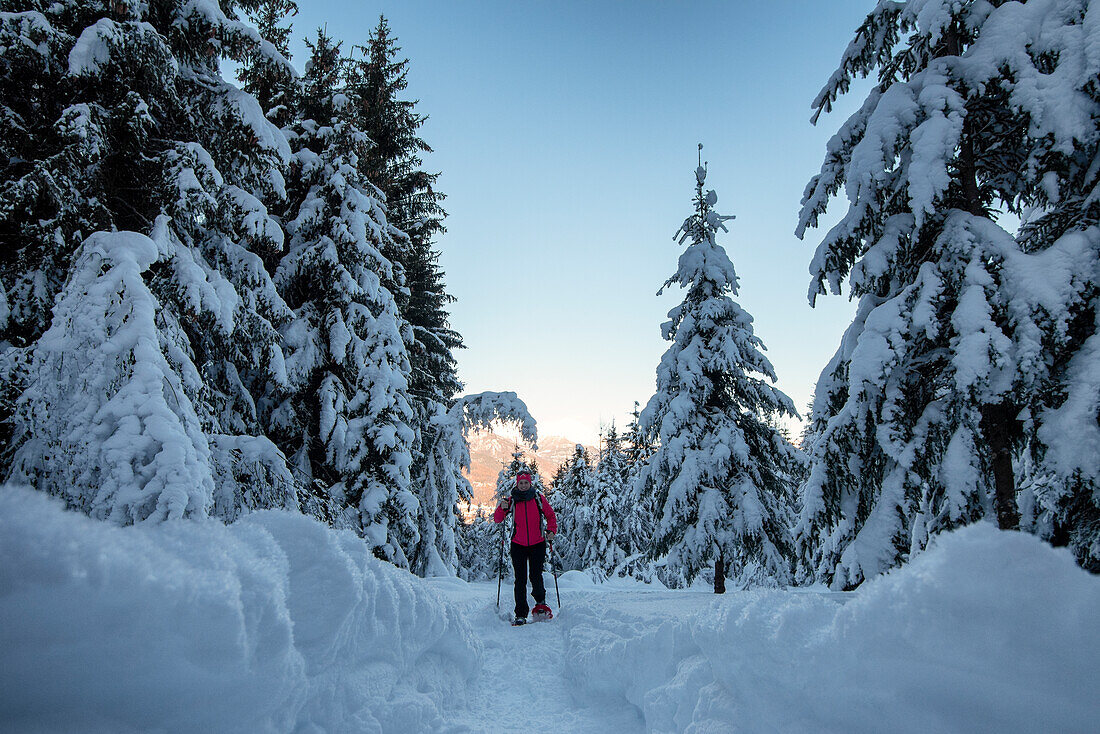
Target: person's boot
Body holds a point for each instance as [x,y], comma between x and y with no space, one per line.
[541,613]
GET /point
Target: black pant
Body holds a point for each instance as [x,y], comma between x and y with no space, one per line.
[524,557]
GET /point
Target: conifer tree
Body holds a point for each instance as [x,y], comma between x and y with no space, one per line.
[1064,428]
[556,480]
[378,81]
[273,85]
[123,122]
[394,164]
[348,424]
[479,548]
[639,497]
[719,466]
[602,552]
[113,433]
[45,211]
[917,417]
[573,490]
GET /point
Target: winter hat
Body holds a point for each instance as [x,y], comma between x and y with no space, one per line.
[523,475]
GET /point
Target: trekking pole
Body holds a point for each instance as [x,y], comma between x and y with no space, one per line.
[500,566]
[555,575]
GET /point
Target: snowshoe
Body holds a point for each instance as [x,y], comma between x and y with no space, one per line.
[519,621]
[541,613]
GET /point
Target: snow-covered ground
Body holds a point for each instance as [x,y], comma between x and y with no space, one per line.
[278,624]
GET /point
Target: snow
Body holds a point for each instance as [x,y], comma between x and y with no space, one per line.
[277,623]
[273,624]
[92,50]
[933,141]
[248,111]
[202,289]
[108,423]
[1071,430]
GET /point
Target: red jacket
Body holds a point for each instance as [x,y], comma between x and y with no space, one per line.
[528,531]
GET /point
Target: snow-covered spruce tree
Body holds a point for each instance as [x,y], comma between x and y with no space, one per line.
[573,492]
[124,123]
[45,210]
[719,467]
[534,466]
[114,433]
[43,214]
[978,106]
[394,163]
[556,480]
[273,85]
[478,547]
[1065,214]
[602,553]
[638,498]
[348,424]
[559,499]
[640,510]
[443,482]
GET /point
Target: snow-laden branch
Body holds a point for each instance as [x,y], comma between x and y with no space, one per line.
[481,410]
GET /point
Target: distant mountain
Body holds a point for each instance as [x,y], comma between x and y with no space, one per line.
[489,452]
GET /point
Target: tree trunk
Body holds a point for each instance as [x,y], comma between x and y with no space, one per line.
[719,575]
[999,426]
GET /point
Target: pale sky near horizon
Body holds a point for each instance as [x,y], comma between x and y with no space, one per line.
[566,135]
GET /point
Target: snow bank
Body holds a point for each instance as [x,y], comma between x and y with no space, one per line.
[986,631]
[274,623]
[278,624]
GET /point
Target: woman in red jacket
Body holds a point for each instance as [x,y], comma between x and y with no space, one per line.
[528,543]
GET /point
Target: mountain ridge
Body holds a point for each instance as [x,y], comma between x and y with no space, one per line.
[490,452]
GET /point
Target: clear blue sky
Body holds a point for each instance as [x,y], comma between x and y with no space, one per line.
[566,136]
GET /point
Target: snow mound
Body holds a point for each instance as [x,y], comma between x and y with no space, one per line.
[576,580]
[278,624]
[274,623]
[986,631]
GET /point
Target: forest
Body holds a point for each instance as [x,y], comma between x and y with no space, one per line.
[220,293]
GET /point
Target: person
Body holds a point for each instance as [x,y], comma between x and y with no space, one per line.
[528,549]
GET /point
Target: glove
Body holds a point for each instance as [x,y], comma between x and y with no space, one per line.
[550,537]
[506,502]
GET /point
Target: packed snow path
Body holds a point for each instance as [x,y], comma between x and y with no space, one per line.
[946,644]
[527,682]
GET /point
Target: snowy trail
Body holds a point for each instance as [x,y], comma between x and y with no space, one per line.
[626,657]
[523,687]
[525,684]
[278,624]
